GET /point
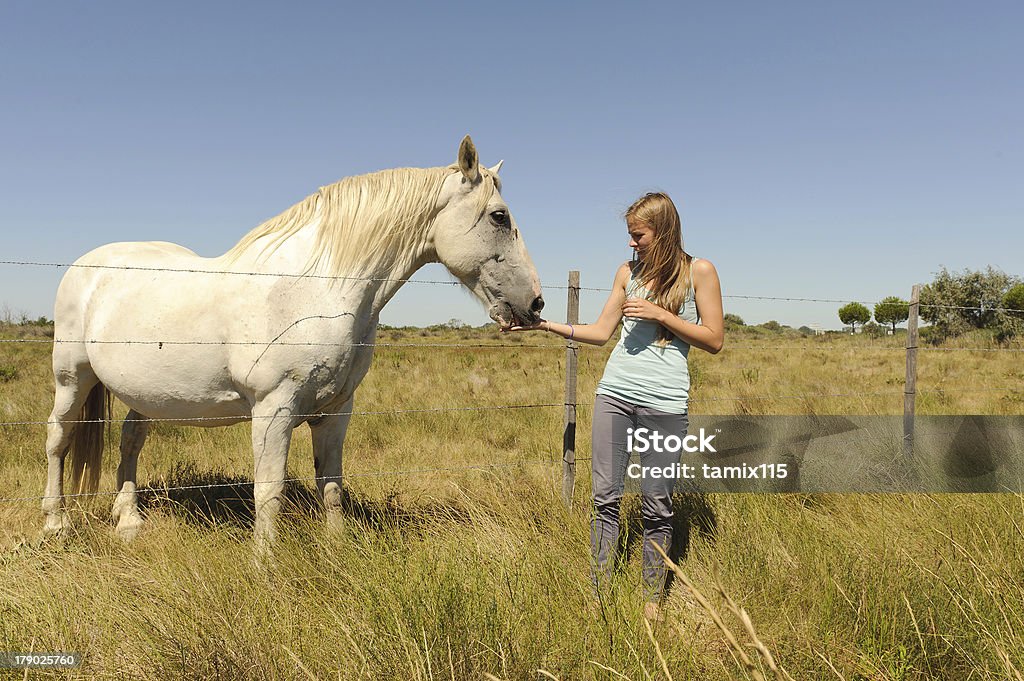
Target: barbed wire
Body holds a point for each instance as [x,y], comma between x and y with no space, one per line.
[827,345]
[692,400]
[245,483]
[186,270]
[806,396]
[242,419]
[830,345]
[927,349]
[29,263]
[983,308]
[252,273]
[817,345]
[286,343]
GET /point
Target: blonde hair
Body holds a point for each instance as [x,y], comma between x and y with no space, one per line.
[366,222]
[665,269]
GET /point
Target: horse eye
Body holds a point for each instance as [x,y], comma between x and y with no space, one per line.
[500,218]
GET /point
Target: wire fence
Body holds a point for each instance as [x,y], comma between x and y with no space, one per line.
[240,483]
[244,273]
[285,416]
[332,344]
[823,345]
[27,263]
[461,409]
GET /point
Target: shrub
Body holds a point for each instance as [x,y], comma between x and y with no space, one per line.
[733,321]
[874,330]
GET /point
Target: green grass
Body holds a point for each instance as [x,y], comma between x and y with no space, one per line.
[453,574]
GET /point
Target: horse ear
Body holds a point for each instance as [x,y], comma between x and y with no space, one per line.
[497,167]
[469,162]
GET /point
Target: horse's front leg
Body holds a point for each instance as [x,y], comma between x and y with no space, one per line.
[272,427]
[328,440]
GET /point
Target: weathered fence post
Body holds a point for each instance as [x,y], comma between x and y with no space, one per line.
[910,387]
[571,356]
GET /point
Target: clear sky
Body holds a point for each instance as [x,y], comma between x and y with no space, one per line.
[821,150]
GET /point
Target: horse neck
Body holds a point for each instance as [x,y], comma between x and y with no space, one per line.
[386,285]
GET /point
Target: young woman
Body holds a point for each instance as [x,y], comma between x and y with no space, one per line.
[667,301]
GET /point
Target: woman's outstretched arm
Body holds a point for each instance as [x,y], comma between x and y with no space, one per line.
[600,331]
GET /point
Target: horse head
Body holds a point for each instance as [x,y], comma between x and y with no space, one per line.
[475,236]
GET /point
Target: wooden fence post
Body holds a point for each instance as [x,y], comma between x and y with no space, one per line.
[910,387]
[571,357]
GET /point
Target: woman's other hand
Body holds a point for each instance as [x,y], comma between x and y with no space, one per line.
[641,308]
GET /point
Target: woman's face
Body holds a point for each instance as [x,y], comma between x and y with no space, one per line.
[641,236]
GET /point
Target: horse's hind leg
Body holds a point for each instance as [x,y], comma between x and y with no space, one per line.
[126,505]
[72,390]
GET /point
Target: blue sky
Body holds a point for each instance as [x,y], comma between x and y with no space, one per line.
[816,150]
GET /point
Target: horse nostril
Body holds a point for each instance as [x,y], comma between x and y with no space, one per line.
[538,304]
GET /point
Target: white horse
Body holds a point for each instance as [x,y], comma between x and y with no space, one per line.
[278,324]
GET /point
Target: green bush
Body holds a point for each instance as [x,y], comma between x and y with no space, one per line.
[874,330]
[733,321]
[1014,299]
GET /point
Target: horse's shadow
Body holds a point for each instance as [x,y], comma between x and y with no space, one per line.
[692,516]
[211,499]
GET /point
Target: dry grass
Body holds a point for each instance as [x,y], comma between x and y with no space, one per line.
[454,574]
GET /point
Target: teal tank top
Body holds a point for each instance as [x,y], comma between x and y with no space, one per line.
[642,373]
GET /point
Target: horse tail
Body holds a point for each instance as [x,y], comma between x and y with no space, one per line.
[87,441]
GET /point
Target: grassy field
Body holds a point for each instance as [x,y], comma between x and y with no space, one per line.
[449,572]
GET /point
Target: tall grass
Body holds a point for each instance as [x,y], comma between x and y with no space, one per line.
[451,573]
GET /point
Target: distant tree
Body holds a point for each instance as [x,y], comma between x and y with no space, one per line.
[806,330]
[772,326]
[956,302]
[854,314]
[892,310]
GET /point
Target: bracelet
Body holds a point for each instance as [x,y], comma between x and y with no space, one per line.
[571,331]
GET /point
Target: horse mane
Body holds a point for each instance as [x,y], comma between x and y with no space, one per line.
[365,222]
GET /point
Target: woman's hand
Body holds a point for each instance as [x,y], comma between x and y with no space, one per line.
[541,325]
[641,308]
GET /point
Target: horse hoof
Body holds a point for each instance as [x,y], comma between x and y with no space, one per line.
[128,527]
[57,524]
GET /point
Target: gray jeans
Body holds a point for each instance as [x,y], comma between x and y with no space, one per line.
[612,420]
